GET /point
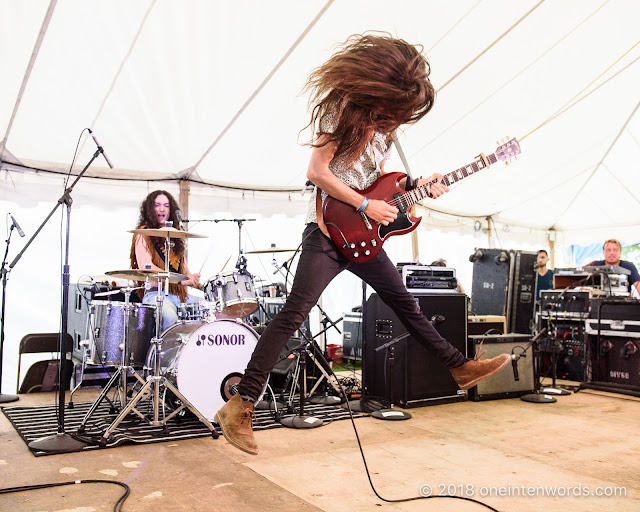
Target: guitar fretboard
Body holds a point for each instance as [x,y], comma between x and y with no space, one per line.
[405,201]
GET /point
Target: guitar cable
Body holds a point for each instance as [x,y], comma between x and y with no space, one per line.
[117,506]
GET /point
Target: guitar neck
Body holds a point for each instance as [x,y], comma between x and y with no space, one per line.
[419,193]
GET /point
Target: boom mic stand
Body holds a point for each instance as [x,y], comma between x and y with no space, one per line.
[60,442]
[4,398]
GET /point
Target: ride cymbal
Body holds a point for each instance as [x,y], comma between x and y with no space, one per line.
[171,232]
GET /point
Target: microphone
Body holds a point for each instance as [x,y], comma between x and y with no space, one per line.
[514,364]
[95,139]
[17,226]
[177,212]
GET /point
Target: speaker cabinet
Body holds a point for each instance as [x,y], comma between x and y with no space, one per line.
[503,384]
[418,378]
[504,283]
[618,361]
[490,286]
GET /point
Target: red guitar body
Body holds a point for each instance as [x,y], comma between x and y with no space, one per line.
[359,238]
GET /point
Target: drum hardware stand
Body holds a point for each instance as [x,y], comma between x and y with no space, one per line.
[300,421]
[326,398]
[390,413]
[5,398]
[309,348]
[123,368]
[151,387]
[61,442]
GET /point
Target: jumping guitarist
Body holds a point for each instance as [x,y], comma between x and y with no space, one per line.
[360,97]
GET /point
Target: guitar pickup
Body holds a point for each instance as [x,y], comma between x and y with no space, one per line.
[365,219]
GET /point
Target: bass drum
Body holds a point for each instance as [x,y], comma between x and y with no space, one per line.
[203,359]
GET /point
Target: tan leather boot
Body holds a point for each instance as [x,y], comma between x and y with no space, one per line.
[474,370]
[235,419]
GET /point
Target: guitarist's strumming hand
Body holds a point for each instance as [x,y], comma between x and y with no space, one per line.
[381,211]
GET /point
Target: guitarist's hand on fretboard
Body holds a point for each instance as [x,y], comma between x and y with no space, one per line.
[437,188]
[381,211]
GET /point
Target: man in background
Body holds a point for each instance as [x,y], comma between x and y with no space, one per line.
[544,279]
[612,251]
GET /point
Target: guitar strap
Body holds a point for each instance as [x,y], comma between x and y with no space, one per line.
[396,142]
[320,217]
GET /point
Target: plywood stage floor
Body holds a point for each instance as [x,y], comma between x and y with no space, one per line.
[512,455]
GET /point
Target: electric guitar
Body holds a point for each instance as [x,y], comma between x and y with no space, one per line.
[359,238]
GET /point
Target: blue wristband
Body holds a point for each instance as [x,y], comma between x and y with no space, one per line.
[364,204]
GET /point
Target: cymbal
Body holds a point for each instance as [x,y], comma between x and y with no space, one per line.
[271,249]
[139,274]
[164,232]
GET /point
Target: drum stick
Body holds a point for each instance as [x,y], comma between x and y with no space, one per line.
[225,263]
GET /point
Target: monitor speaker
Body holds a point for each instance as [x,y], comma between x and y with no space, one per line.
[504,384]
[418,377]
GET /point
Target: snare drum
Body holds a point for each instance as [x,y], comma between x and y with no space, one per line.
[204,359]
[233,293]
[107,323]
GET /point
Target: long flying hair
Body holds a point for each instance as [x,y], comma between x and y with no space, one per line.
[148,218]
[372,83]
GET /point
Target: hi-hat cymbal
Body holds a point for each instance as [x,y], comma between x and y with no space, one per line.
[168,231]
[139,274]
[271,249]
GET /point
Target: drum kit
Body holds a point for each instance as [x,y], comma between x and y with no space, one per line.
[193,364]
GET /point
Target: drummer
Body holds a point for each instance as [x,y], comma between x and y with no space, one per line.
[148,252]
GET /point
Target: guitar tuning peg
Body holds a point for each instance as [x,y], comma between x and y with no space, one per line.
[498,142]
[507,162]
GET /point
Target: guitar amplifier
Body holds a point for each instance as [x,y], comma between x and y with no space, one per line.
[418,378]
[352,335]
[504,384]
[618,361]
[486,324]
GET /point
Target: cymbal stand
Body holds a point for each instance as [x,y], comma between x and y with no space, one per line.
[151,387]
[123,369]
[241,264]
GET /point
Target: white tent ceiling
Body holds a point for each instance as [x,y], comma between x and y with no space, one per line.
[211,91]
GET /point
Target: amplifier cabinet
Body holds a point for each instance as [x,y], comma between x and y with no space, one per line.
[610,327]
[504,384]
[418,377]
[490,286]
[524,285]
[352,336]
[618,361]
[486,324]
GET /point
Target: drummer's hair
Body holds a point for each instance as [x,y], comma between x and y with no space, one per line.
[148,217]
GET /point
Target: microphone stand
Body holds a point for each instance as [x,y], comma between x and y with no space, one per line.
[4,398]
[391,413]
[537,397]
[60,442]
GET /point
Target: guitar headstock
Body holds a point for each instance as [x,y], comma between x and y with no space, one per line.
[508,150]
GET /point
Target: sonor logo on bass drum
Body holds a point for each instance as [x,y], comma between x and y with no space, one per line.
[220,339]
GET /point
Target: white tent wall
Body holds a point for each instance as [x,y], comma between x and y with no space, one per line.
[211,91]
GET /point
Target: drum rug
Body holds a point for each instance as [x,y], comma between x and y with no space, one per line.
[36,422]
